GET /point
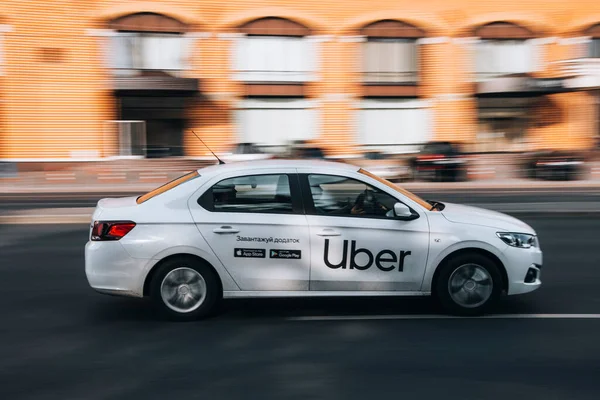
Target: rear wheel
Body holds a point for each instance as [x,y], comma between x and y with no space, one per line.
[468,284]
[184,289]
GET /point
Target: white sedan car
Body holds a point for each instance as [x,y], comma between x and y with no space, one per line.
[299,229]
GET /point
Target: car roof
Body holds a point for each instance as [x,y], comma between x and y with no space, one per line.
[276,164]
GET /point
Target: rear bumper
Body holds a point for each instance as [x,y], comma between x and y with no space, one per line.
[111,270]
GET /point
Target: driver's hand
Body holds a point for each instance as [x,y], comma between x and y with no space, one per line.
[357,210]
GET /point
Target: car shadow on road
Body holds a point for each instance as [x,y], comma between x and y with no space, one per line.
[115,309]
[326,306]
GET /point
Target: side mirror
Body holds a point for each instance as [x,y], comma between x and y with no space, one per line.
[402,211]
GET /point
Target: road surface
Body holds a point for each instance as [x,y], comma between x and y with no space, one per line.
[61,340]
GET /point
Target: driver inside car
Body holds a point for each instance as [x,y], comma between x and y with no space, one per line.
[367,203]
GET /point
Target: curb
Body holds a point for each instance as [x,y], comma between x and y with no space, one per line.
[44,220]
[48,216]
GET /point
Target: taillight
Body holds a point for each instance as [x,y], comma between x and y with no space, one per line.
[111,230]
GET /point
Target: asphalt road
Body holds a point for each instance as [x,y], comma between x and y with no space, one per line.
[473,196]
[61,340]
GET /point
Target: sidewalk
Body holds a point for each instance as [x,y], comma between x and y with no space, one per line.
[145,184]
[139,177]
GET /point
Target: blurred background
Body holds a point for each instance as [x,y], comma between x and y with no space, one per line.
[492,103]
[105,90]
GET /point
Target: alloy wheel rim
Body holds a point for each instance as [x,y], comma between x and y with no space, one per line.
[470,285]
[183,290]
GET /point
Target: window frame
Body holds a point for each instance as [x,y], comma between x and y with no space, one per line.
[310,209]
[134,45]
[244,64]
[206,199]
[487,43]
[371,77]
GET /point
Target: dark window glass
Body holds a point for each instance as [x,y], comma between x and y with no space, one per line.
[595,48]
[255,193]
[247,148]
[340,196]
[438,148]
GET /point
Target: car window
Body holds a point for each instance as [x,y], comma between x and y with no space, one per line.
[253,193]
[341,196]
[168,186]
[399,189]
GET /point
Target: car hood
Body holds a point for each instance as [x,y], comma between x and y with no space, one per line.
[479,216]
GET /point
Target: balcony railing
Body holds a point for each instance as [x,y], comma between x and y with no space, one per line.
[136,72]
[391,78]
[274,76]
[488,76]
[585,72]
[580,66]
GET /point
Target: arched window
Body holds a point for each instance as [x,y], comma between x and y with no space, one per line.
[274,26]
[275,49]
[503,30]
[391,53]
[504,49]
[147,43]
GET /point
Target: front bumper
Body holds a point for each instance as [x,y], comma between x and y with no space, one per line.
[523,269]
[111,270]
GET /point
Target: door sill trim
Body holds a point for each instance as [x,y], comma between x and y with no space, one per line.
[320,293]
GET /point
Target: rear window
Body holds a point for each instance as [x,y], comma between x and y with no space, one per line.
[168,186]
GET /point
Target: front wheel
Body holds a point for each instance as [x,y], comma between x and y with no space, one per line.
[468,285]
[184,289]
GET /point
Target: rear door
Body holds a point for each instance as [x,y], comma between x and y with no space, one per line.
[255,224]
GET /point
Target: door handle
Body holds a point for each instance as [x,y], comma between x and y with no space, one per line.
[225,229]
[328,232]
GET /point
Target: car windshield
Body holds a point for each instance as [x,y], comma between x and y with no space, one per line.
[397,188]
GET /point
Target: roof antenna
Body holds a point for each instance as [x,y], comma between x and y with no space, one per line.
[220,161]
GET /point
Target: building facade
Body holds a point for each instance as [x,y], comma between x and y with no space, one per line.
[104,78]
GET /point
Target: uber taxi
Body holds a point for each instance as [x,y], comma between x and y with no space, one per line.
[282,228]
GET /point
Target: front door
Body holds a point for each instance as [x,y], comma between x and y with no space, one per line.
[357,242]
[255,225]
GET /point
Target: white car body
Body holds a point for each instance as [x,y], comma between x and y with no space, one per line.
[174,223]
[234,157]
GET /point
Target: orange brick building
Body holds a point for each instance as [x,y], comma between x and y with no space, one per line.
[102,78]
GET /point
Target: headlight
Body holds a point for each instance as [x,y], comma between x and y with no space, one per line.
[521,240]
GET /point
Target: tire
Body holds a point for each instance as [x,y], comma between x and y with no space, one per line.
[195,289]
[477,298]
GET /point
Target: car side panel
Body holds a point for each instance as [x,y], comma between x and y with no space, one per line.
[164,227]
[448,237]
[154,242]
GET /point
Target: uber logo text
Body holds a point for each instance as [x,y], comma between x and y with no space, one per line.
[384,256]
